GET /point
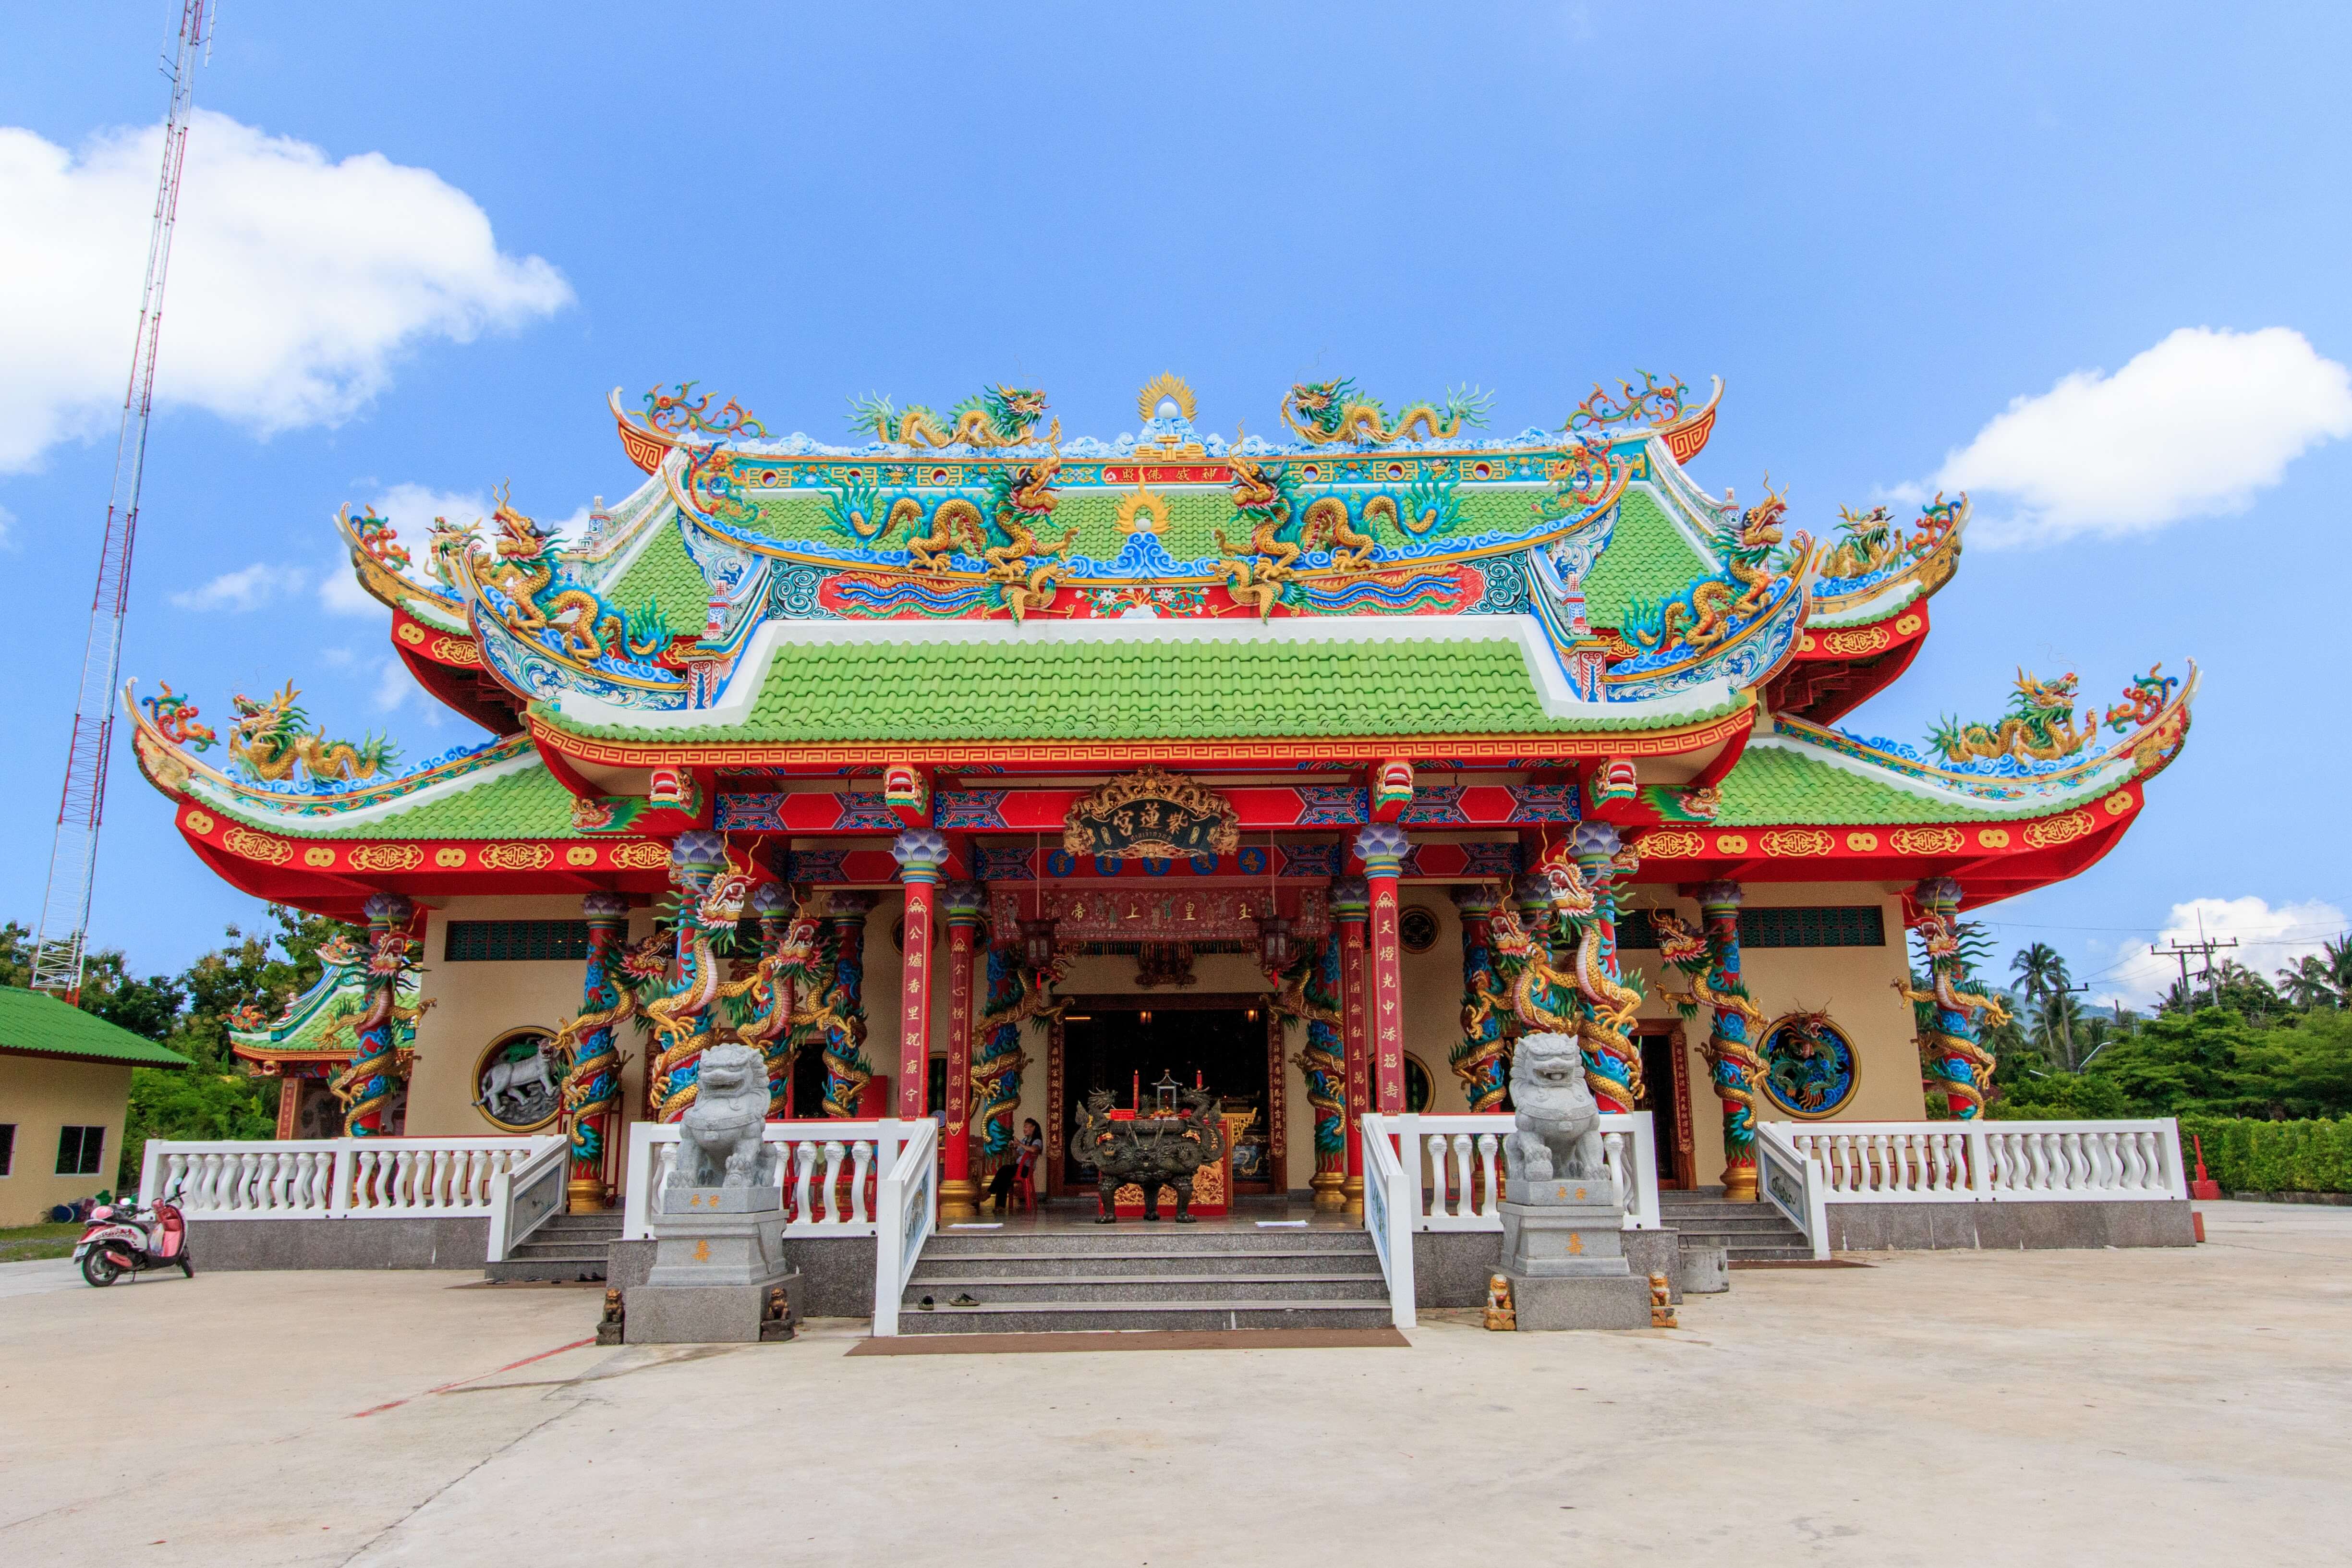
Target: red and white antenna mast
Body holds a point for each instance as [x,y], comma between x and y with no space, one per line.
[73,858]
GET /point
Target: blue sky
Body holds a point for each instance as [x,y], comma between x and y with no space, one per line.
[1880,225]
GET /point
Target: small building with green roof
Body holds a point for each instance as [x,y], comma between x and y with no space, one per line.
[65,1080]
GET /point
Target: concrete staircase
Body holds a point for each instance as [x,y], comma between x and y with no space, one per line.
[566,1246]
[1138,1276]
[1750,1232]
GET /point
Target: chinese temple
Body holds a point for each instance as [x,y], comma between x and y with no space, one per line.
[974,769]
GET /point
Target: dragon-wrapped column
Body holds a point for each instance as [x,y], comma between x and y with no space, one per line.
[846,1069]
[1352,909]
[965,904]
[1482,1056]
[1731,1055]
[1324,1067]
[592,1088]
[1948,1016]
[368,1085]
[767,1029]
[997,1058]
[1611,1065]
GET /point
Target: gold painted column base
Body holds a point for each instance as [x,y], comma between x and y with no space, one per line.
[584,1194]
[1740,1183]
[959,1200]
[1351,1192]
[1326,1185]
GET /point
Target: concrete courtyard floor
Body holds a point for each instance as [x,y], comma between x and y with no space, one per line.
[2058,1407]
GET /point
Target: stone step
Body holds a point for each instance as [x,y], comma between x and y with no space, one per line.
[1772,1255]
[1046,1265]
[1081,1317]
[1144,1239]
[584,1265]
[1162,1288]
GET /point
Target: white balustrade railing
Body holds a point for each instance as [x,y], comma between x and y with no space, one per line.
[526,1195]
[1790,1182]
[829,1167]
[333,1178]
[1392,1199]
[1988,1162]
[908,1208]
[1456,1163]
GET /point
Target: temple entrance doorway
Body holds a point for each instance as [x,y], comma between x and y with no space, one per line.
[1665,1095]
[1126,1043]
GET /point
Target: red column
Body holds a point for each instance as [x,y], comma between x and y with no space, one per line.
[920,852]
[1383,847]
[1352,906]
[964,904]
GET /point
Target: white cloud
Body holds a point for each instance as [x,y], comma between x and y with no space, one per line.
[2191,427]
[246,589]
[409,508]
[2268,939]
[296,282]
[394,686]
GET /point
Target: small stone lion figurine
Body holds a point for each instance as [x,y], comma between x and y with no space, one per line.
[1662,1303]
[1500,1312]
[719,1138]
[1557,1131]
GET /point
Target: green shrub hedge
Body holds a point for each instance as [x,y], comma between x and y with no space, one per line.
[2246,1155]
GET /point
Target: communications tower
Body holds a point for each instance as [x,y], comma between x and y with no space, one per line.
[73,855]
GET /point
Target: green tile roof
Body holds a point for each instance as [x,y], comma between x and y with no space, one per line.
[1647,558]
[1771,786]
[526,804]
[665,575]
[1173,689]
[36,1021]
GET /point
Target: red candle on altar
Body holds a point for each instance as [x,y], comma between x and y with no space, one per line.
[1137,1100]
[1196,1078]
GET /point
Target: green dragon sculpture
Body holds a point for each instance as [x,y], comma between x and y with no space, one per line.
[1323,412]
[997,416]
[1711,609]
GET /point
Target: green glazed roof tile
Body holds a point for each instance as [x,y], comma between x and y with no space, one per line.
[1175,689]
[37,1022]
[1774,787]
[1647,558]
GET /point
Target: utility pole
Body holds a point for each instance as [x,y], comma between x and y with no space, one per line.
[73,853]
[2204,947]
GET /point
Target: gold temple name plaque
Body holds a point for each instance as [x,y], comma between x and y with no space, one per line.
[1151,815]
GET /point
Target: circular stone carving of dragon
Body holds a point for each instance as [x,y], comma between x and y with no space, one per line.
[718,1138]
[1557,1131]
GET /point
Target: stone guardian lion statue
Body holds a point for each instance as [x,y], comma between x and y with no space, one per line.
[1556,1134]
[719,1138]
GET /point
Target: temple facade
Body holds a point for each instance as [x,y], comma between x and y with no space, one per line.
[974,770]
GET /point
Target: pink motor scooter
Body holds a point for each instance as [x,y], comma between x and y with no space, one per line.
[124,1239]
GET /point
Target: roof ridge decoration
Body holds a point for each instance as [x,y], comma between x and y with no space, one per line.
[2038,751]
[319,1025]
[165,738]
[1876,569]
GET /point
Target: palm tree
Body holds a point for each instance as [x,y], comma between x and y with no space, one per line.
[2310,983]
[2179,997]
[2336,954]
[2054,1027]
[2040,970]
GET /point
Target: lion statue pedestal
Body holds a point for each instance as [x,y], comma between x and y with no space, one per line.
[1563,1217]
[718,1227]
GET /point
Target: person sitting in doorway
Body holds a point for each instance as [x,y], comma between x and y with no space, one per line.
[1021,1166]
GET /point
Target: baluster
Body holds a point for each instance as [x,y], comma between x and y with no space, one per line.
[297,1182]
[1840,1162]
[863,1152]
[175,1173]
[833,1154]
[1612,1153]
[1436,1189]
[1488,1194]
[2139,1174]
[2071,1165]
[1465,1202]
[804,1161]
[1911,1156]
